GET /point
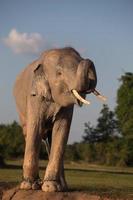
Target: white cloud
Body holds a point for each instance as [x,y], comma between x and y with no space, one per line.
[24,42]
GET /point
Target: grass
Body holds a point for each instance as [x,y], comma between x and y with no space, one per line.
[95,179]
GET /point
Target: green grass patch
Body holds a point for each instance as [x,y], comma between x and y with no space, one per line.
[94,179]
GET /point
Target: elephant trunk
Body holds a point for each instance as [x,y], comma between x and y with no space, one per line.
[86,81]
[86,78]
[92,75]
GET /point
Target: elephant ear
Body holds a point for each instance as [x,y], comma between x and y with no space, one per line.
[40,85]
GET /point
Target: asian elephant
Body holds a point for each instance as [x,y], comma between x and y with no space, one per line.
[45,94]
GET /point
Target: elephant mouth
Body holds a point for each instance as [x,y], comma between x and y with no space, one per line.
[80,96]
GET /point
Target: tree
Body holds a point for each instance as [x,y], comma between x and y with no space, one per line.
[107,125]
[124,109]
[124,112]
[72,152]
[101,138]
[11,140]
[106,128]
[90,134]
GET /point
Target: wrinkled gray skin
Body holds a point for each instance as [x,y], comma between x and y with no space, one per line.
[45,105]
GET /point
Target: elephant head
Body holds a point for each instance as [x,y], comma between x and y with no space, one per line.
[64,77]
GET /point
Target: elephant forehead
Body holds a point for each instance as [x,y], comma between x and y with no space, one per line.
[69,61]
[64,61]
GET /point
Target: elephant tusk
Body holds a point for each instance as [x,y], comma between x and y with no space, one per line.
[96,93]
[76,94]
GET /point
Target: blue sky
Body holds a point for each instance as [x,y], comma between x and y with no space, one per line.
[101,30]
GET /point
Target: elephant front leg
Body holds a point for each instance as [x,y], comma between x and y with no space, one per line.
[52,181]
[62,174]
[30,166]
[33,141]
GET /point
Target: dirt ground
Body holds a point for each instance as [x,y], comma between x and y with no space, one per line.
[16,194]
[11,191]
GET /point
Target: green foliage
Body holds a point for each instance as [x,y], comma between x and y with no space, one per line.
[106,128]
[124,112]
[11,140]
[106,145]
[72,152]
[107,125]
[124,109]
[91,135]
[111,138]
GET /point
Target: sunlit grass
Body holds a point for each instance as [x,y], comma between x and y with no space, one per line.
[82,177]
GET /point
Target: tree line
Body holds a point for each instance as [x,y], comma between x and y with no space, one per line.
[109,142]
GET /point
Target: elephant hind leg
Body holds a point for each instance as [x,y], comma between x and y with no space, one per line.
[34,129]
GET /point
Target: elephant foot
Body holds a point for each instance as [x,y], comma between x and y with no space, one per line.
[51,186]
[26,184]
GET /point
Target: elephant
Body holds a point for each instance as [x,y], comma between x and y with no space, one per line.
[45,93]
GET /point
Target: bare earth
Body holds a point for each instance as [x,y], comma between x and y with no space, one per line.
[16,194]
